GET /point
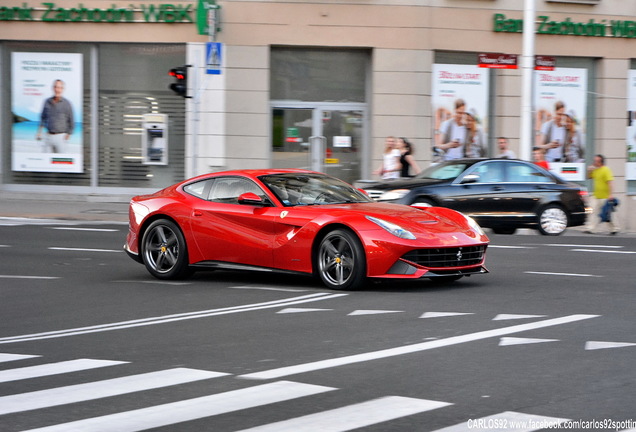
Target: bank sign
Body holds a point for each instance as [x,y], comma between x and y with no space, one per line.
[568,27]
[143,13]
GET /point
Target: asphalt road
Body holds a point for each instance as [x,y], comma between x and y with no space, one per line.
[90,342]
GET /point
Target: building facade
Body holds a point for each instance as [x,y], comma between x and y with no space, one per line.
[305,83]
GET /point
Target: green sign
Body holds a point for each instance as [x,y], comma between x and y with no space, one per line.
[208,17]
[591,28]
[147,13]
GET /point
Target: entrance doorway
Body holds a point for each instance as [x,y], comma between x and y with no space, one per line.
[322,137]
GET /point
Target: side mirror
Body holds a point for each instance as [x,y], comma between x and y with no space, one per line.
[470,178]
[250,198]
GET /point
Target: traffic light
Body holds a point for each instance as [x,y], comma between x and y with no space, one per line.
[180,86]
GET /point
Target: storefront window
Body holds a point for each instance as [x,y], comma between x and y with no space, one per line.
[312,75]
[58,152]
[133,83]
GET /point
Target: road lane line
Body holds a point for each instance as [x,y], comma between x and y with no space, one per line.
[562,274]
[603,251]
[353,416]
[391,352]
[507,421]
[55,369]
[584,246]
[13,357]
[101,389]
[85,229]
[191,409]
[84,249]
[170,318]
[27,277]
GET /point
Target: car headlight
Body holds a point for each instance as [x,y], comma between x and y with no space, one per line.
[394,229]
[474,225]
[394,194]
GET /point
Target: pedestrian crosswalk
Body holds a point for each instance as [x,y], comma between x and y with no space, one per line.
[351,416]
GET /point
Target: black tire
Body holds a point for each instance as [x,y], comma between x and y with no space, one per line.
[340,261]
[504,230]
[552,220]
[164,251]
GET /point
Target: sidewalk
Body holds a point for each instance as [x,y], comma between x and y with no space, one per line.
[103,208]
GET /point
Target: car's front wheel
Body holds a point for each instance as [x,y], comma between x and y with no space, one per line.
[340,261]
[164,251]
[553,220]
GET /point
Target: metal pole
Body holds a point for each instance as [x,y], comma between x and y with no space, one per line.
[527,137]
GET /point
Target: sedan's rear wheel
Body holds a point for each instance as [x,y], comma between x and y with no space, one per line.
[341,263]
[553,220]
[164,251]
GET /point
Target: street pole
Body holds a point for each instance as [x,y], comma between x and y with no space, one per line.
[527,137]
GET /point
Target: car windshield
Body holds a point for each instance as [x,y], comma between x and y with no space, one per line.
[296,189]
[444,171]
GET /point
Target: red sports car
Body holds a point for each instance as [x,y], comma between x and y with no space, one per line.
[298,221]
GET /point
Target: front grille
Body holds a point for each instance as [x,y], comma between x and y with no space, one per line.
[447,257]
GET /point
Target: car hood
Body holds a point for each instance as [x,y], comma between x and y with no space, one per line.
[425,223]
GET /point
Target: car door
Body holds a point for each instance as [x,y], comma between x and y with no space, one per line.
[481,191]
[528,188]
[231,232]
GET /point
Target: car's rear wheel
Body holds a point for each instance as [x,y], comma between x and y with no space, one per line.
[423,202]
[340,262]
[164,251]
[553,220]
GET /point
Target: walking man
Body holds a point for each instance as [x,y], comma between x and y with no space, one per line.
[603,190]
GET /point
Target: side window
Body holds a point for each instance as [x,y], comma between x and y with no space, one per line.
[522,173]
[228,189]
[199,189]
[492,172]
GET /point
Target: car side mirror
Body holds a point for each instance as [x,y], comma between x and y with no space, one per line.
[470,178]
[250,198]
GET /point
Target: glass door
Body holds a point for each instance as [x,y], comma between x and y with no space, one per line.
[323,138]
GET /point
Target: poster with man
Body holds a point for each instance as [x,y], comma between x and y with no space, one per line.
[460,111]
[46,105]
[630,171]
[560,101]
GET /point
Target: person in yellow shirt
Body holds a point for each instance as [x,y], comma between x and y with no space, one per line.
[603,190]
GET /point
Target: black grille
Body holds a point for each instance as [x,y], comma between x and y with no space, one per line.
[447,257]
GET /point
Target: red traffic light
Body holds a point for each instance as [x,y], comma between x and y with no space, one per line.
[180,86]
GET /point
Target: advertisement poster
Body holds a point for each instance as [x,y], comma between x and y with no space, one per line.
[460,111]
[560,100]
[630,171]
[46,103]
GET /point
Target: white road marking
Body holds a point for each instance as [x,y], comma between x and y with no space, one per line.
[101,389]
[54,369]
[506,421]
[373,312]
[270,288]
[502,317]
[584,246]
[443,314]
[191,409]
[169,318]
[392,352]
[27,277]
[84,249]
[595,345]
[85,229]
[507,341]
[15,357]
[603,251]
[563,274]
[301,310]
[353,416]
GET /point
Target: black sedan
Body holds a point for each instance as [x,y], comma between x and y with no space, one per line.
[500,194]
